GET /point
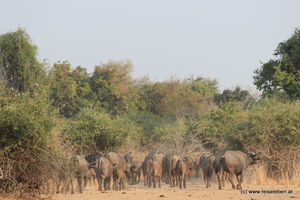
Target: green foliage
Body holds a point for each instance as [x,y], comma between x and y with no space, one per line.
[96,131]
[272,123]
[24,121]
[70,90]
[170,132]
[236,95]
[268,124]
[282,74]
[148,123]
[19,66]
[111,84]
[177,99]
[217,129]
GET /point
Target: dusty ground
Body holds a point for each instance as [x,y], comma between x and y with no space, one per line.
[195,190]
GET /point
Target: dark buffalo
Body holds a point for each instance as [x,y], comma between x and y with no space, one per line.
[182,171]
[207,170]
[104,172]
[203,157]
[92,159]
[234,163]
[169,168]
[216,167]
[145,168]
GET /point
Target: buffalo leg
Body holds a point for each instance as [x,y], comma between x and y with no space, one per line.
[80,180]
[176,180]
[85,180]
[220,176]
[179,178]
[159,180]
[138,177]
[225,177]
[72,187]
[170,179]
[145,180]
[149,181]
[58,186]
[231,174]
[240,181]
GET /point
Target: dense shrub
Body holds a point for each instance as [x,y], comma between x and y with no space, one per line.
[96,131]
[270,127]
[27,148]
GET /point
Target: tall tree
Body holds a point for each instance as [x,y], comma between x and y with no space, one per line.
[63,86]
[111,82]
[19,66]
[282,74]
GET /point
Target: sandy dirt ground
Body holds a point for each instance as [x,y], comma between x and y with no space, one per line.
[195,190]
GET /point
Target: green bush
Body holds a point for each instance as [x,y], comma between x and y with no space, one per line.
[24,121]
[95,130]
[217,129]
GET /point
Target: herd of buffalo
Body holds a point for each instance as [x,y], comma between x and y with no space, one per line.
[112,170]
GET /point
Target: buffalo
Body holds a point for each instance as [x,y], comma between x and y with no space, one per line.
[104,172]
[155,172]
[207,169]
[169,168]
[135,167]
[182,171]
[81,172]
[146,164]
[234,163]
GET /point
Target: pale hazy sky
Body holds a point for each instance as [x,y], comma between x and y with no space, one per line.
[223,40]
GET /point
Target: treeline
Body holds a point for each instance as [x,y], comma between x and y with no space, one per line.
[48,111]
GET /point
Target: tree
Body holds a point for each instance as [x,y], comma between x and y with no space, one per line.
[19,66]
[176,98]
[236,95]
[63,87]
[111,83]
[282,74]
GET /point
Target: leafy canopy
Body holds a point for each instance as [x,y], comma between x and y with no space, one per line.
[19,66]
[282,74]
